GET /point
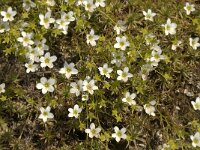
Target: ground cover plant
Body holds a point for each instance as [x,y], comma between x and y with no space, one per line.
[99,74]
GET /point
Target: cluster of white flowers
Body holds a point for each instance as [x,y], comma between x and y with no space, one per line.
[95,132]
[63,23]
[90,5]
[36,53]
[156,55]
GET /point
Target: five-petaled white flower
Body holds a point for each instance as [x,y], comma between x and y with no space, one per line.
[91,38]
[124,75]
[176,44]
[76,87]
[105,70]
[74,112]
[149,108]
[31,67]
[195,139]
[89,5]
[122,43]
[119,134]
[45,113]
[120,26]
[89,86]
[129,98]
[46,20]
[118,58]
[149,15]
[33,54]
[100,3]
[63,25]
[170,28]
[93,132]
[2,88]
[41,46]
[196,104]
[68,70]
[9,15]
[26,39]
[156,56]
[194,43]
[189,8]
[46,85]
[47,60]
[69,17]
[27,4]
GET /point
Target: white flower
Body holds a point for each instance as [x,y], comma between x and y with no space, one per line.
[27,4]
[4,26]
[156,47]
[129,98]
[9,15]
[189,8]
[149,108]
[170,28]
[89,86]
[89,5]
[93,132]
[50,2]
[105,70]
[91,38]
[100,3]
[47,60]
[194,43]
[175,45]
[68,70]
[26,39]
[69,17]
[195,139]
[85,97]
[120,26]
[45,114]
[41,46]
[196,104]
[124,75]
[33,54]
[118,58]
[74,112]
[119,134]
[149,15]
[2,88]
[76,87]
[46,19]
[156,56]
[46,85]
[31,67]
[122,43]
[63,25]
